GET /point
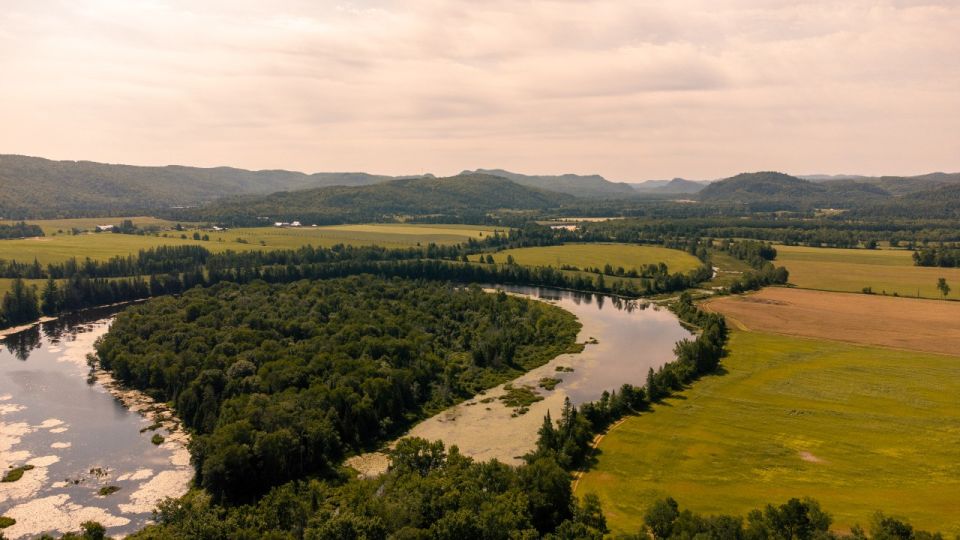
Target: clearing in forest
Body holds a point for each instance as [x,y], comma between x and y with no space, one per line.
[906,323]
[858,428]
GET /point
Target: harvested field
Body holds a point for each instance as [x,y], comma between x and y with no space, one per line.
[904,323]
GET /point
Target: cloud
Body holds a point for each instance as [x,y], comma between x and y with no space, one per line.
[627,89]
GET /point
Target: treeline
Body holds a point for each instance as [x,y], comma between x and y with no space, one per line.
[940,256]
[19,230]
[758,255]
[469,273]
[796,519]
[569,441]
[789,229]
[279,382]
[430,492]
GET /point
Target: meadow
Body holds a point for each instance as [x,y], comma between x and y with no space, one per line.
[858,428]
[884,270]
[629,256]
[59,226]
[100,246]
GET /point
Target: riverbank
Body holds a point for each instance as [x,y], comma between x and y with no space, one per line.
[7,332]
[484,427]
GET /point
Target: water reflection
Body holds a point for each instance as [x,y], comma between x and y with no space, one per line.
[76,435]
[22,344]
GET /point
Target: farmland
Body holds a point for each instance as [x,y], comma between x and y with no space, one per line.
[906,323]
[629,256]
[58,226]
[59,247]
[858,428]
[885,271]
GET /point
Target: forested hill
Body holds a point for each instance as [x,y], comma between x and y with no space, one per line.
[778,191]
[460,195]
[32,187]
[940,203]
[589,186]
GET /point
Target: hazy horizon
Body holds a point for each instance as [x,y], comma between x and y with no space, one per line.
[629,91]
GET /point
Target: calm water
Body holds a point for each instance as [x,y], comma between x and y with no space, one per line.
[78,436]
[630,338]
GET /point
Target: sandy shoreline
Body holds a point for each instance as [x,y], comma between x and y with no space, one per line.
[7,332]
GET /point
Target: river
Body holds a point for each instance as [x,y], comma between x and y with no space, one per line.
[625,338]
[80,434]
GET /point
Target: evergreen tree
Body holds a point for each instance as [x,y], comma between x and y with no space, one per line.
[50,298]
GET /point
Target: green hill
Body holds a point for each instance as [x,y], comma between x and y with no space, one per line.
[465,194]
[777,191]
[32,187]
[588,186]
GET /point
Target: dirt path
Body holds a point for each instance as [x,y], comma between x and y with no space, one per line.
[593,446]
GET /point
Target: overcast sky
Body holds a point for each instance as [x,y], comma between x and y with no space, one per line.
[632,90]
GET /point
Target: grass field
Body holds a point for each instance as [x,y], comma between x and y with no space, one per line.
[386,235]
[853,269]
[858,428]
[629,256]
[907,323]
[105,245]
[53,226]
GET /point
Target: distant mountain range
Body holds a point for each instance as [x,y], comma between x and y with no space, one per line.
[590,186]
[890,194]
[676,186]
[37,187]
[33,187]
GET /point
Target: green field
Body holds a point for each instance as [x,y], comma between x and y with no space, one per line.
[858,428]
[59,226]
[851,270]
[629,256]
[386,235]
[100,246]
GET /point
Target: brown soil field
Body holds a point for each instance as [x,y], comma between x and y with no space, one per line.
[904,323]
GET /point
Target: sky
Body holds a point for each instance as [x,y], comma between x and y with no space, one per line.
[632,90]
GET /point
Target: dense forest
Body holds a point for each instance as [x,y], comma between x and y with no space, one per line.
[280,382]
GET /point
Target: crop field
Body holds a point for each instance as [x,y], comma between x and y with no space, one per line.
[100,246]
[858,428]
[629,256]
[906,323]
[386,235]
[58,226]
[53,249]
[889,270]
